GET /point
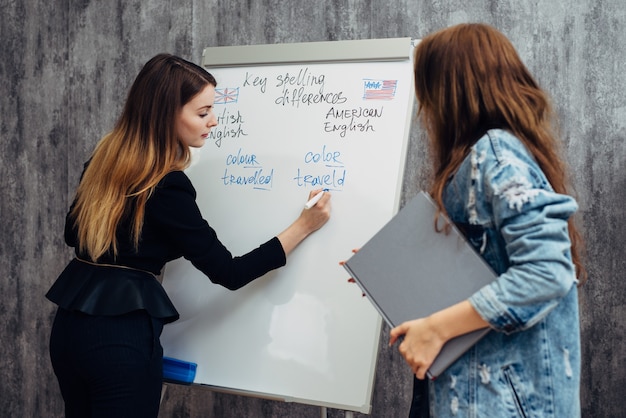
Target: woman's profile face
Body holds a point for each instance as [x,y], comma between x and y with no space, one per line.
[196,118]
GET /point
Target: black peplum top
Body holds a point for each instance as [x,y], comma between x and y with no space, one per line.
[173,228]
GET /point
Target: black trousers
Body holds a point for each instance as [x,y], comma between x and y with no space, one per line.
[108,366]
[419,403]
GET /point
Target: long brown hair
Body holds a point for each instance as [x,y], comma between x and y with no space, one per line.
[129,161]
[469,79]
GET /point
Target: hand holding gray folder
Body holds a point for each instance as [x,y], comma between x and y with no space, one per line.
[408,270]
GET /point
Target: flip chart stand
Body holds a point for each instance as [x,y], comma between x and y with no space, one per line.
[294,118]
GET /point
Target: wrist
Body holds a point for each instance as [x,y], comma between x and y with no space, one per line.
[437,325]
[456,320]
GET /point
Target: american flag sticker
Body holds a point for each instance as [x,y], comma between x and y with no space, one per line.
[379,89]
[226,95]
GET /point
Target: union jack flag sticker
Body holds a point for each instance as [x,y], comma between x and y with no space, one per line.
[226,95]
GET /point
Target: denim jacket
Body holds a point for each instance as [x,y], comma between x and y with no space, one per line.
[529,364]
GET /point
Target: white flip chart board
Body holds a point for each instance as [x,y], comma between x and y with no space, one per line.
[293,118]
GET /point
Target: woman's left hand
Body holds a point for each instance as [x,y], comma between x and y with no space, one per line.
[420,346]
[424,337]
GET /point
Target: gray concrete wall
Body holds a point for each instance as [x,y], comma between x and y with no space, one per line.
[65,67]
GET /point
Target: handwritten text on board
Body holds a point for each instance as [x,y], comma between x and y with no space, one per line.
[300,88]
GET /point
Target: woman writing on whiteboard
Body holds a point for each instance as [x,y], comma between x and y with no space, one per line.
[135,210]
[499,177]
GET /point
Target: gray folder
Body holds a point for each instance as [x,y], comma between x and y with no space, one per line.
[408,270]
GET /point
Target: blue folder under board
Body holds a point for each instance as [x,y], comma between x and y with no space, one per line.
[178,371]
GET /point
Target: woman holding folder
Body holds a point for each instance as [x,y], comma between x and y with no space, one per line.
[135,210]
[499,177]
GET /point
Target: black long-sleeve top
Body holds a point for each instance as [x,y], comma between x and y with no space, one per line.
[173,228]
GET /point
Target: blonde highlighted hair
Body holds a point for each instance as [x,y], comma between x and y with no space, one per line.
[128,162]
[469,79]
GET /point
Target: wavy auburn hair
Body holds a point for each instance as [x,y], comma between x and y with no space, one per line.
[469,79]
[129,161]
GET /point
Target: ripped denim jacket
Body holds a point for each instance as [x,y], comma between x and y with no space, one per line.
[529,365]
